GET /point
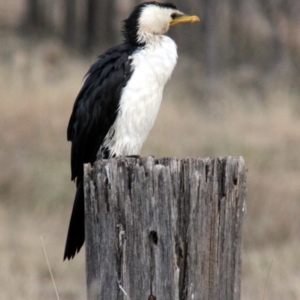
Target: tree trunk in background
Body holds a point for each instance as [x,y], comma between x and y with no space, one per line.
[99,23]
[91,16]
[212,55]
[70,30]
[275,48]
[34,18]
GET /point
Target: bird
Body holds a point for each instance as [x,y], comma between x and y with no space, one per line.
[120,98]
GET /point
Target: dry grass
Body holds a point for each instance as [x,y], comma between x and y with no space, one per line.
[38,85]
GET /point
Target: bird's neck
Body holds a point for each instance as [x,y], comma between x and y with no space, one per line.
[147,38]
[143,39]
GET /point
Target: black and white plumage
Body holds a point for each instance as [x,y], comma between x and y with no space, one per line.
[120,98]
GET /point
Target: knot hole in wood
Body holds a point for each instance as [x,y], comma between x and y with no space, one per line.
[153,237]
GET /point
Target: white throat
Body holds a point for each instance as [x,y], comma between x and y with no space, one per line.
[149,39]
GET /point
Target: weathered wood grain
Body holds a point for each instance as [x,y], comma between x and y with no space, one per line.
[166,227]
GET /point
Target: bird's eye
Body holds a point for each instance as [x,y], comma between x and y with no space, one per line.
[174,16]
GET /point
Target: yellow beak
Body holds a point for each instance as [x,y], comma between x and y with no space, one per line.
[184,19]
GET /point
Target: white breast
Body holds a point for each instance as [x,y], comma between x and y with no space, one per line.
[141,97]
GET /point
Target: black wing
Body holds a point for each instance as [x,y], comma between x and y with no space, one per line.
[94,112]
[96,105]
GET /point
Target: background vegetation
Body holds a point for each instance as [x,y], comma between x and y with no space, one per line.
[234,92]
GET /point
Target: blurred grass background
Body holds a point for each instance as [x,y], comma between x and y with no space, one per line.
[243,111]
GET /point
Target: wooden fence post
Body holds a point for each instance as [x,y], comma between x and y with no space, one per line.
[164,229]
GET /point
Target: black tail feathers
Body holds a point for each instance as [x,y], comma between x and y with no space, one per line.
[75,238]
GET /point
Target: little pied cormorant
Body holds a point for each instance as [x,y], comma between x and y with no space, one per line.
[118,103]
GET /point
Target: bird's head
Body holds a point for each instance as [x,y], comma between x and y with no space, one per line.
[153,18]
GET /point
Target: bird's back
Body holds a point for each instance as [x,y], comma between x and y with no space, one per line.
[96,105]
